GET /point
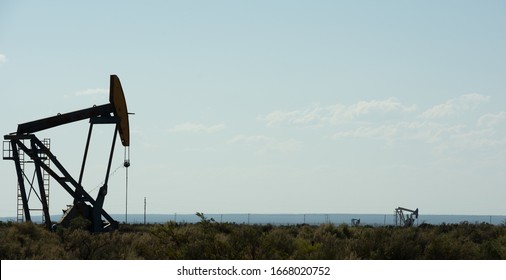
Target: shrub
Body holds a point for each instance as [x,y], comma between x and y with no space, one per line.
[211,240]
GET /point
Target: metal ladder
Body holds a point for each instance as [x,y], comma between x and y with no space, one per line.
[20,213]
[8,154]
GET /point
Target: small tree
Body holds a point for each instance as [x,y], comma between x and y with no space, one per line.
[203,219]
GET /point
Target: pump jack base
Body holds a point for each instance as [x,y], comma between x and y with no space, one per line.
[85,213]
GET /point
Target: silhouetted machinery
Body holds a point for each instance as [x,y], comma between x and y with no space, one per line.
[23,141]
[405,220]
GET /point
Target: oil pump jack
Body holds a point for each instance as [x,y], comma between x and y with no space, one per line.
[84,205]
[405,220]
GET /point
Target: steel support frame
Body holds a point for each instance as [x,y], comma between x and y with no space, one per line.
[73,187]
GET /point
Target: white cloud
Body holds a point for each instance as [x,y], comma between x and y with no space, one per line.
[2,58]
[197,128]
[441,136]
[485,138]
[297,117]
[391,121]
[379,106]
[420,131]
[93,91]
[387,131]
[440,111]
[473,98]
[318,115]
[433,132]
[249,139]
[265,143]
[454,106]
[490,120]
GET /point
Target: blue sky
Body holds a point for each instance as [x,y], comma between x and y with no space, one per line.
[269,106]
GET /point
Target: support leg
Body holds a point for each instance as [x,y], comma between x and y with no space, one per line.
[43,198]
[99,202]
[21,180]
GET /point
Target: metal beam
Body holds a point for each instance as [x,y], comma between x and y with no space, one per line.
[61,119]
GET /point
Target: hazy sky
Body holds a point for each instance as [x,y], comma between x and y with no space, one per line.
[269,106]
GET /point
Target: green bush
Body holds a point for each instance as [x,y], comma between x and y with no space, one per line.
[208,239]
[27,241]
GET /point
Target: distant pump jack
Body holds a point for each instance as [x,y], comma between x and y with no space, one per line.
[405,220]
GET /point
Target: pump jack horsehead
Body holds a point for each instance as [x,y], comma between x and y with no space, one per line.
[24,141]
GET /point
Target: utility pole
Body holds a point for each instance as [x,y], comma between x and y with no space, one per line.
[144,210]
